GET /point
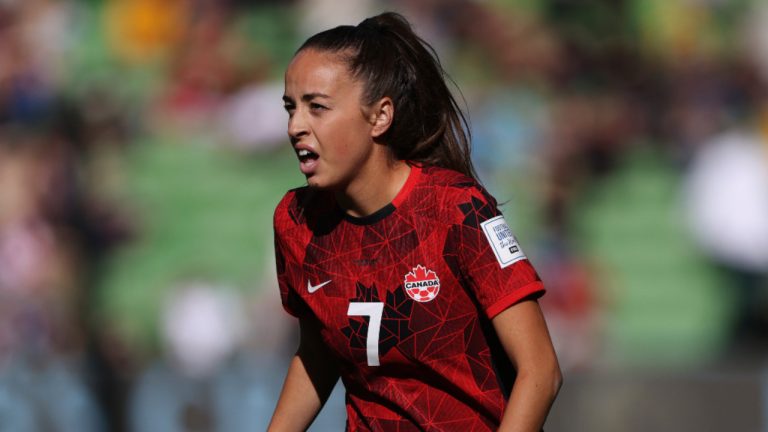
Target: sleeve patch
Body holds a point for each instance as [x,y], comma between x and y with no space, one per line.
[502,241]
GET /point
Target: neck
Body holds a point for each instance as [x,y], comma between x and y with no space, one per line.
[374,190]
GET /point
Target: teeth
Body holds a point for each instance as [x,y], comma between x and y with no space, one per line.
[303,152]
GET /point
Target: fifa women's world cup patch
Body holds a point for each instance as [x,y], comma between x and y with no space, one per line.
[503,242]
[421,284]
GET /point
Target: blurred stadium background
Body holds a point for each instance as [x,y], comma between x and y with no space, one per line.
[143,149]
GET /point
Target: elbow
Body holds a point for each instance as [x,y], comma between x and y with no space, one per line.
[557,381]
[546,380]
[554,375]
[552,380]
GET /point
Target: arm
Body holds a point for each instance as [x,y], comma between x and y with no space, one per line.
[523,333]
[308,383]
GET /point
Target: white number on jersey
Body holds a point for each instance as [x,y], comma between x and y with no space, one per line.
[374,311]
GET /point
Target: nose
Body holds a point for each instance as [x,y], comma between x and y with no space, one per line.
[297,126]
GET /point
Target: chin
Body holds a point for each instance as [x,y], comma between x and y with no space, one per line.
[316,183]
[322,184]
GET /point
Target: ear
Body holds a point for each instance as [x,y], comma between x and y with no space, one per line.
[381,116]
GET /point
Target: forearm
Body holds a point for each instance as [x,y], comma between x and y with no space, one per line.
[299,401]
[531,399]
[524,335]
[311,377]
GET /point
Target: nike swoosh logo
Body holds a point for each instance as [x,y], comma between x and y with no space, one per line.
[312,289]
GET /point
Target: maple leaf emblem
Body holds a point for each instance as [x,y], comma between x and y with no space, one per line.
[420,273]
[421,284]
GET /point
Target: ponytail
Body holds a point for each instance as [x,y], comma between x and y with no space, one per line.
[428,127]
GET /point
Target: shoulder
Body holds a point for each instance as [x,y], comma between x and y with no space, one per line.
[285,212]
[453,182]
[289,212]
[302,207]
[454,189]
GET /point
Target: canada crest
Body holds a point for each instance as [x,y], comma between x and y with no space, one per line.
[421,284]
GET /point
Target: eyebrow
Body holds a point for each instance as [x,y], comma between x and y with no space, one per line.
[307,97]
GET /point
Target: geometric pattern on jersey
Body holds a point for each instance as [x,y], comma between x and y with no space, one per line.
[440,366]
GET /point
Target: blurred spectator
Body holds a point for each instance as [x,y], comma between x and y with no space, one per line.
[727,206]
[756,37]
[142,31]
[203,326]
[251,120]
[319,15]
[219,84]
[42,281]
[45,26]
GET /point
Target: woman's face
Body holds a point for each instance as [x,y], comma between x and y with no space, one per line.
[327,124]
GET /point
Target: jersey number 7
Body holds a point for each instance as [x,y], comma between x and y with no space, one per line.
[373,310]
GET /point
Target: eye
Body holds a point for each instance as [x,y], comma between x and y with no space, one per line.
[314,106]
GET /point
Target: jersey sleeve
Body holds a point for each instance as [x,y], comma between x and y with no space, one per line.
[286,265]
[488,257]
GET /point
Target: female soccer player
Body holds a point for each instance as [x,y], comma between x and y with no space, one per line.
[405,278]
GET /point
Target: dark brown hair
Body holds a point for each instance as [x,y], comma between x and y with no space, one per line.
[428,127]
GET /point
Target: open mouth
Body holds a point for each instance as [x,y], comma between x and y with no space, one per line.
[307,161]
[306,155]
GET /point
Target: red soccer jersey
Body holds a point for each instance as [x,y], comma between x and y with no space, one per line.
[404,299]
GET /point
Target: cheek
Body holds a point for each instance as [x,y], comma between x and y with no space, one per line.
[345,138]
